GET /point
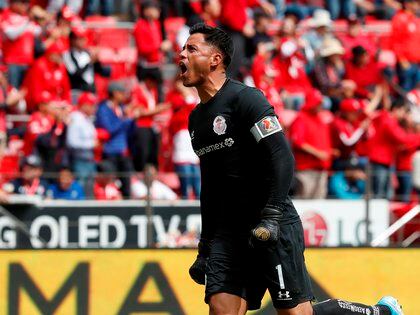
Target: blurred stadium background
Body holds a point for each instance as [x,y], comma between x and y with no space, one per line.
[99,186]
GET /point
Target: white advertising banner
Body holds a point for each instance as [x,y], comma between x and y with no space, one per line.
[341,222]
[88,225]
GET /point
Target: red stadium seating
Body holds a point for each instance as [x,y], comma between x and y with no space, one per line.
[9,167]
[172,27]
[114,38]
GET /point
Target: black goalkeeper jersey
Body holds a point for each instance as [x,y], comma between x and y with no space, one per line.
[234,169]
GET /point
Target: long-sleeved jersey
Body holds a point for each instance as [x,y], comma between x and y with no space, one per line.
[245,160]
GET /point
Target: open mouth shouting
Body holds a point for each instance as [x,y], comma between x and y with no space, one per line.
[183,68]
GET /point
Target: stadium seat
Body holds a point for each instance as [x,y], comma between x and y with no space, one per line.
[108,55]
[101,84]
[340,26]
[385,41]
[172,27]
[128,54]
[115,38]
[9,167]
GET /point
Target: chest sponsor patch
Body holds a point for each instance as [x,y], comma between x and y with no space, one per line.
[265,127]
[227,143]
[219,125]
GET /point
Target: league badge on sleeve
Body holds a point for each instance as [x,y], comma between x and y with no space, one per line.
[219,125]
[265,127]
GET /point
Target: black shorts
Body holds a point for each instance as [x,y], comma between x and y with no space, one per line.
[236,269]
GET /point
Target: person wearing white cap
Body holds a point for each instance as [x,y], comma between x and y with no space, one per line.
[329,69]
[321,24]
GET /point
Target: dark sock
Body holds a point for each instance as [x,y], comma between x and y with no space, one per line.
[339,307]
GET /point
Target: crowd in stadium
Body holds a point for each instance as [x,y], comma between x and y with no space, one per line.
[104,107]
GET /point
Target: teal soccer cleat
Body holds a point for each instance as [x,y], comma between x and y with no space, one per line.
[392,303]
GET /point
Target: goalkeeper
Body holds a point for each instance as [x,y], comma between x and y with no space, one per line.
[252,237]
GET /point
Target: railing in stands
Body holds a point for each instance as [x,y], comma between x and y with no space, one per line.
[406,218]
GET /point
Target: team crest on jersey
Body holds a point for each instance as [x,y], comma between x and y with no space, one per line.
[219,125]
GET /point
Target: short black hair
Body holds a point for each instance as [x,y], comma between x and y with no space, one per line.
[398,103]
[260,14]
[148,4]
[65,167]
[358,51]
[218,38]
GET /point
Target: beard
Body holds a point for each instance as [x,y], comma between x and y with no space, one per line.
[193,81]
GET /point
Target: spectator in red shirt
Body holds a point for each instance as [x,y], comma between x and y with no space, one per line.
[404,160]
[349,128]
[205,11]
[150,44]
[48,73]
[58,32]
[311,142]
[357,68]
[183,100]
[51,146]
[291,80]
[367,110]
[145,140]
[262,62]
[10,98]
[18,40]
[105,187]
[267,86]
[264,75]
[40,122]
[356,36]
[388,136]
[406,44]
[234,20]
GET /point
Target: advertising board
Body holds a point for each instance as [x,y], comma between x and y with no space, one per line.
[90,225]
[117,282]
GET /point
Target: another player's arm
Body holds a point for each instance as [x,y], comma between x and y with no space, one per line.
[258,115]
